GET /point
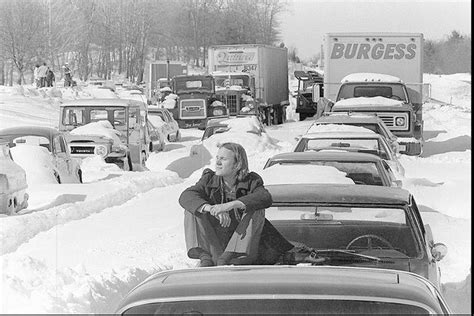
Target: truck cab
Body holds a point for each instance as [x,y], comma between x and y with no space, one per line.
[236,90]
[305,106]
[196,100]
[387,97]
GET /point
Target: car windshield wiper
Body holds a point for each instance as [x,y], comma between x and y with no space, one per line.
[344,255]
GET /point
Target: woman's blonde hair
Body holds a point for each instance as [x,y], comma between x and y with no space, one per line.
[240,159]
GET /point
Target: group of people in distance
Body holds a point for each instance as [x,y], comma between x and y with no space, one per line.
[44,76]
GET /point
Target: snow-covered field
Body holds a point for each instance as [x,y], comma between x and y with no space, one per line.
[79,248]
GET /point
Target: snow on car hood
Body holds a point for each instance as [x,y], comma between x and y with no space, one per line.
[100,128]
[293,174]
[37,163]
[249,124]
[365,101]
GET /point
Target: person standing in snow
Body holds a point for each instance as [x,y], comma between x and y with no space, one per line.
[36,75]
[42,74]
[67,75]
[224,218]
[50,78]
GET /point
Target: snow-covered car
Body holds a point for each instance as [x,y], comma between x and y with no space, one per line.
[115,129]
[284,290]
[352,139]
[244,123]
[157,138]
[361,168]
[162,118]
[64,167]
[357,225]
[13,185]
[372,122]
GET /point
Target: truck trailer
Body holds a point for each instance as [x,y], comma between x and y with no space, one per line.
[158,74]
[267,67]
[379,73]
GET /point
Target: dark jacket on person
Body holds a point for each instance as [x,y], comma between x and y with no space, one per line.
[253,234]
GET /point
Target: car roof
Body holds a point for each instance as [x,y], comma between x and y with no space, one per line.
[340,194]
[104,102]
[344,117]
[326,282]
[29,130]
[335,134]
[325,156]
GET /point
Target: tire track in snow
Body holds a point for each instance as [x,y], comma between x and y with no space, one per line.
[17,230]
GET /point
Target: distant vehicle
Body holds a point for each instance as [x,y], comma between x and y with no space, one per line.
[128,121]
[169,125]
[384,70]
[305,106]
[244,123]
[13,185]
[196,101]
[357,225]
[284,290]
[372,122]
[362,168]
[66,169]
[363,142]
[158,74]
[267,79]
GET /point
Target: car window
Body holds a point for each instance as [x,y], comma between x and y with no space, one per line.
[343,143]
[74,116]
[59,145]
[33,140]
[278,306]
[98,115]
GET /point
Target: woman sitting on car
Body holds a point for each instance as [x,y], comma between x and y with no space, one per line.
[225,214]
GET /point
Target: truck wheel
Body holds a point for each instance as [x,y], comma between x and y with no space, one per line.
[303,116]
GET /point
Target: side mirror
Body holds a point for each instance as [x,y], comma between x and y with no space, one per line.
[439,251]
[315,91]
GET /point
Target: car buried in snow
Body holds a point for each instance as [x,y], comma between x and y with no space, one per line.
[283,290]
[54,147]
[356,225]
[162,118]
[124,137]
[13,185]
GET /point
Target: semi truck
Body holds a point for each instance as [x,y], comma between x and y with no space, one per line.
[196,101]
[305,106]
[158,74]
[378,73]
[267,69]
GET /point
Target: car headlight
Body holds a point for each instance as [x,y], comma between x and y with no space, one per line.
[399,121]
[100,150]
[216,112]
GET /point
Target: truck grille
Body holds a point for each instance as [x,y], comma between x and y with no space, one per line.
[192,109]
[84,150]
[390,120]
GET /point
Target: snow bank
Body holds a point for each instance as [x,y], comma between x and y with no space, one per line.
[368,76]
[37,163]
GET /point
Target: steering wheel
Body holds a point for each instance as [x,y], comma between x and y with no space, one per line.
[396,97]
[369,241]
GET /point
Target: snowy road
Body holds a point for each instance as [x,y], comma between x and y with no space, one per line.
[80,248]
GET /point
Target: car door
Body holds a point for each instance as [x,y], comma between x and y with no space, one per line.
[62,161]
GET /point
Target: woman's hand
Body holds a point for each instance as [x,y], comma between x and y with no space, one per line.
[224,219]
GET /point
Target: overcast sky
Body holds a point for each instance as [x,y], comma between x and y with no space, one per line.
[306,21]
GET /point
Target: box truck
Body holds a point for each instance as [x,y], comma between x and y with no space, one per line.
[158,74]
[379,73]
[266,82]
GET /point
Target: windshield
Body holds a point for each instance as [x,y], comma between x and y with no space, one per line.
[78,116]
[362,228]
[235,80]
[364,145]
[277,305]
[194,84]
[354,90]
